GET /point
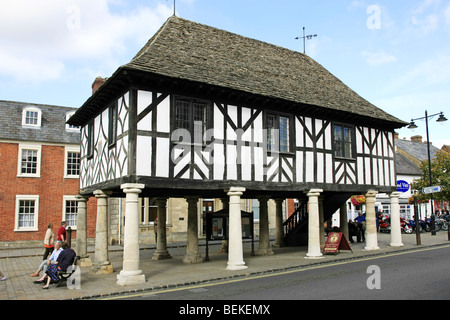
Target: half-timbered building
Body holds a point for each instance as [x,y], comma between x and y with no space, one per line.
[201,112]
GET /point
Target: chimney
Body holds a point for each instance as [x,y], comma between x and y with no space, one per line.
[416,139]
[98,82]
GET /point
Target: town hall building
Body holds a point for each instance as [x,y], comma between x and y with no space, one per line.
[204,113]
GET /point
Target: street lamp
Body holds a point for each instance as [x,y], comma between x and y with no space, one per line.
[413,125]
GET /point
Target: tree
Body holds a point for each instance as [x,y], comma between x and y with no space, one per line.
[440,176]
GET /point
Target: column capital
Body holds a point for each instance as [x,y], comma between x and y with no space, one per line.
[263,198]
[371,193]
[81,198]
[132,186]
[192,199]
[314,192]
[235,191]
[395,194]
[102,194]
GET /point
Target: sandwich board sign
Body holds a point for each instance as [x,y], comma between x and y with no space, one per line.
[336,241]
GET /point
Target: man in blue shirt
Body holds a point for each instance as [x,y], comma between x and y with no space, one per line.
[361,220]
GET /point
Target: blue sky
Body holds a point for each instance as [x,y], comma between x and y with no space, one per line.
[395,54]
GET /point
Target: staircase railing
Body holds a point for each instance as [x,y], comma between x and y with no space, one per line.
[298,217]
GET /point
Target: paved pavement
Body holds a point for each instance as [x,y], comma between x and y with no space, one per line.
[18,263]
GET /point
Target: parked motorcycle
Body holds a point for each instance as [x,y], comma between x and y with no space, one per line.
[385,225]
[422,225]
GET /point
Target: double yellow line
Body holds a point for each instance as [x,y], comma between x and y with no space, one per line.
[300,269]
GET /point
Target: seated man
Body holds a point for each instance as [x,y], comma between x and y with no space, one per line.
[45,263]
[353,231]
[64,261]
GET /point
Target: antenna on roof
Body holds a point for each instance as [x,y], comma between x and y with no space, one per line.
[174,7]
[309,37]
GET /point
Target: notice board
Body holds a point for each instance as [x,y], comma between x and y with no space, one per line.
[336,241]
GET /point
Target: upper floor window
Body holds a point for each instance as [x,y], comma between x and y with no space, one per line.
[112,127]
[29,161]
[72,162]
[31,116]
[193,116]
[27,209]
[278,133]
[343,141]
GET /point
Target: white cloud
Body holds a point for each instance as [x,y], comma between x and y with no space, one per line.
[378,58]
[40,39]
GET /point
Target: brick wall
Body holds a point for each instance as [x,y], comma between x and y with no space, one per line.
[50,187]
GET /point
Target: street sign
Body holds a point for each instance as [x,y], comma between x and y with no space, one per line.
[434,189]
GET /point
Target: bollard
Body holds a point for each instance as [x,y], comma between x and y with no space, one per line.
[69,237]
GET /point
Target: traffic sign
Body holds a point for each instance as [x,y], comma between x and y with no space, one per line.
[434,189]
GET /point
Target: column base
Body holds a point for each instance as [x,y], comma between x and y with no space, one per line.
[104,268]
[127,278]
[85,262]
[236,266]
[314,256]
[264,252]
[396,244]
[161,255]
[371,248]
[279,245]
[192,258]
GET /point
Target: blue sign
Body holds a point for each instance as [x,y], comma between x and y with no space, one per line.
[402,186]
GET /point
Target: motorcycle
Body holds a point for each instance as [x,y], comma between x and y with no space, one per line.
[385,225]
[422,225]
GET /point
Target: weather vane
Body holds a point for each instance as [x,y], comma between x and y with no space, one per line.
[305,37]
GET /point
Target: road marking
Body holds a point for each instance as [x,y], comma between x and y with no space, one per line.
[276,273]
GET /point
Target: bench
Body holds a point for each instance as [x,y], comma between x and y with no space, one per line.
[66,274]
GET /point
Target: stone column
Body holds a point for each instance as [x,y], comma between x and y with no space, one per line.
[102,265]
[161,244]
[81,241]
[371,226]
[264,240]
[131,274]
[321,224]
[192,253]
[343,218]
[224,247]
[313,225]
[235,250]
[396,232]
[279,236]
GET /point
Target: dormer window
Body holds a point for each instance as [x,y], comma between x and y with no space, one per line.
[31,117]
[69,126]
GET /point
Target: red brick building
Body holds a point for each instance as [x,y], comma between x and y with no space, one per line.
[39,174]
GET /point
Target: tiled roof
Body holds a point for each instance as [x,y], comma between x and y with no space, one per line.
[418,150]
[189,51]
[52,129]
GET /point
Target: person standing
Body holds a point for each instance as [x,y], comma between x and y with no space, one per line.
[48,241]
[62,232]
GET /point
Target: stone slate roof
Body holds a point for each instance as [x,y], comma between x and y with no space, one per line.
[191,51]
[418,150]
[405,167]
[53,124]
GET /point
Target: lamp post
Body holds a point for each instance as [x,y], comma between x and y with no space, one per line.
[412,125]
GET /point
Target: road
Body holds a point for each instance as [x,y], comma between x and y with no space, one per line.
[411,275]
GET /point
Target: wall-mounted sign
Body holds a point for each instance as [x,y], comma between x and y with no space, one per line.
[402,186]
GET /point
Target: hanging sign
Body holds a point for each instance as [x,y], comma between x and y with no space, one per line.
[402,186]
[336,241]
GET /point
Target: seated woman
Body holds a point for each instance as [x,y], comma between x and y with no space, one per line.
[64,261]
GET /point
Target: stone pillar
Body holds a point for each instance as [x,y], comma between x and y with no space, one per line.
[235,250]
[279,231]
[396,232]
[313,225]
[131,273]
[102,265]
[192,253]
[161,244]
[264,239]
[343,218]
[224,247]
[321,224]
[371,226]
[81,242]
